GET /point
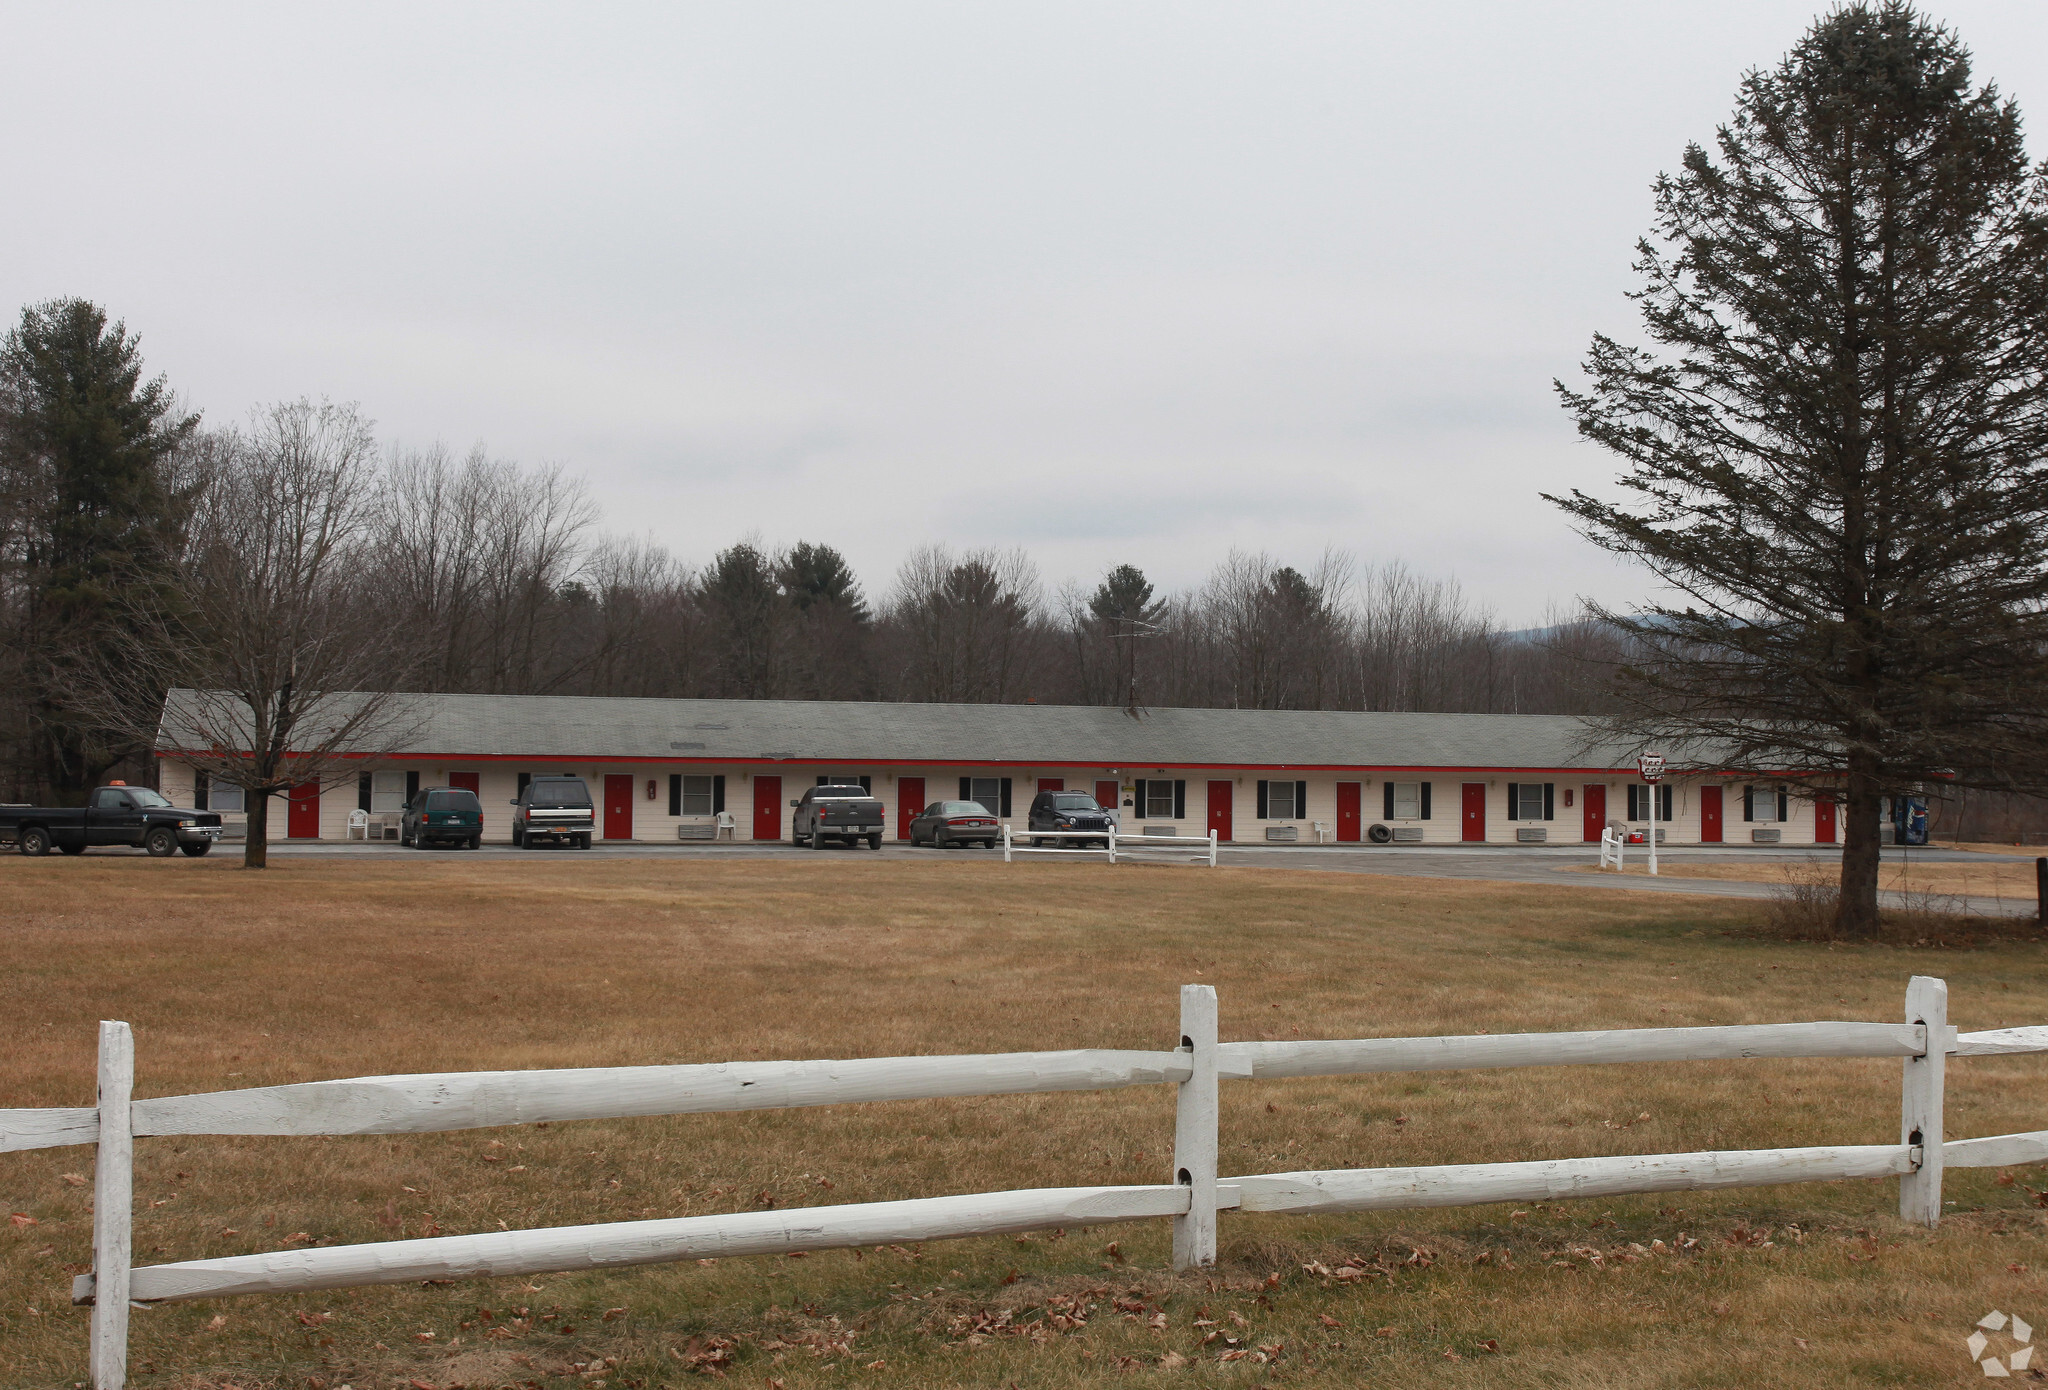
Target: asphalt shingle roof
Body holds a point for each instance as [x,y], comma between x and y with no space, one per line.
[598,729]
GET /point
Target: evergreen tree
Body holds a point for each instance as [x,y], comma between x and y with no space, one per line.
[1835,446]
[92,516]
[818,574]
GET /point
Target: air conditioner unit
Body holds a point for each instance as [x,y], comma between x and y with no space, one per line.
[697,830]
[1284,833]
[1407,834]
[1162,830]
[1531,834]
[1766,837]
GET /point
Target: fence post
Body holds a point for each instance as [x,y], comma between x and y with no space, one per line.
[1112,842]
[1006,844]
[1920,1108]
[113,1208]
[1212,846]
[1194,1131]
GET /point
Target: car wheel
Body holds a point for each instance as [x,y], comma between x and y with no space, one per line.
[197,850]
[1380,834]
[817,840]
[476,841]
[875,843]
[583,842]
[518,838]
[34,842]
[76,849]
[161,842]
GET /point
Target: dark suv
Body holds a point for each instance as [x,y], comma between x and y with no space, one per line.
[443,815]
[555,809]
[1067,811]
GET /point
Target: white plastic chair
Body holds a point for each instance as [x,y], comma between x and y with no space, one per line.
[359,824]
[728,827]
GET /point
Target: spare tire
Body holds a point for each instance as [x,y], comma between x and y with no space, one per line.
[1380,835]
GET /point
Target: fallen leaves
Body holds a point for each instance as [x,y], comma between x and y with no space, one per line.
[22,1218]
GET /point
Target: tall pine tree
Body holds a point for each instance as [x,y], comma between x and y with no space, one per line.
[92,518]
[1835,435]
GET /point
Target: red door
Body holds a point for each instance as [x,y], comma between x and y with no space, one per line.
[1219,808]
[468,781]
[302,816]
[1596,810]
[909,802]
[618,807]
[1052,784]
[1710,815]
[767,808]
[1475,812]
[1106,795]
[1823,821]
[1348,795]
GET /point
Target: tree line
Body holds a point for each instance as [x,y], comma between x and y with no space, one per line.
[142,547]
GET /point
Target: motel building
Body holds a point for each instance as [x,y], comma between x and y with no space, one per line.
[668,771]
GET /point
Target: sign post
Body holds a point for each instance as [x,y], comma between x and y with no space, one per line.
[1651,765]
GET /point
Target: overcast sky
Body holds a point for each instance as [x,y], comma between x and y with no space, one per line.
[1113,282]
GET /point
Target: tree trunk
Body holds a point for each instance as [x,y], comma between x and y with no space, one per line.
[1856,908]
[256,849]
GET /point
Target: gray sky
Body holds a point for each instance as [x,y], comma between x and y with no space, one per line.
[1114,282]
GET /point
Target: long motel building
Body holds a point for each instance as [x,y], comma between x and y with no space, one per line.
[664,771]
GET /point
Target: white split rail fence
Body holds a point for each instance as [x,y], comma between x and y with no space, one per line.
[1199,849]
[1193,1196]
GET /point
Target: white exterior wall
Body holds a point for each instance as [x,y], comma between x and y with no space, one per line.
[498,785]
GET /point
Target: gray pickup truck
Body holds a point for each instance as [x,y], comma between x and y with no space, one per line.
[116,814]
[846,813]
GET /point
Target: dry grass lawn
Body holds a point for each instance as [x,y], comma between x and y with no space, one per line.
[1991,878]
[335,967]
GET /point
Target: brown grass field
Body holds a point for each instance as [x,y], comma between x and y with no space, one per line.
[328,968]
[1992,877]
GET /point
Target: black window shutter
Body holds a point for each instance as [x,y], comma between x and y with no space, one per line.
[524,778]
[1784,806]
[199,791]
[1300,800]
[1138,800]
[1006,796]
[1425,801]
[718,793]
[867,784]
[1263,788]
[1550,801]
[1514,800]
[967,789]
[1387,800]
[363,791]
[412,786]
[1180,800]
[1664,802]
[675,793]
[1748,802]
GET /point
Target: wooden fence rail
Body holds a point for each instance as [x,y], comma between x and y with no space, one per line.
[435,1102]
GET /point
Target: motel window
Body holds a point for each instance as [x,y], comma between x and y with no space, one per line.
[991,793]
[1161,798]
[1404,801]
[1531,800]
[1639,801]
[1766,804]
[1283,800]
[387,791]
[221,796]
[696,796]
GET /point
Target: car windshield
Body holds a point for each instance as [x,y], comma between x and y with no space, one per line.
[146,798]
[1075,801]
[964,808]
[837,793]
[454,799]
[556,794]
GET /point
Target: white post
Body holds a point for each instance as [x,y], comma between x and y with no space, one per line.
[1006,844]
[113,1208]
[1212,846]
[1194,1131]
[1920,1109]
[1653,831]
[1112,842]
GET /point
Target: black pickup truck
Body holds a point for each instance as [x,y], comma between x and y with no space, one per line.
[113,815]
[848,813]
